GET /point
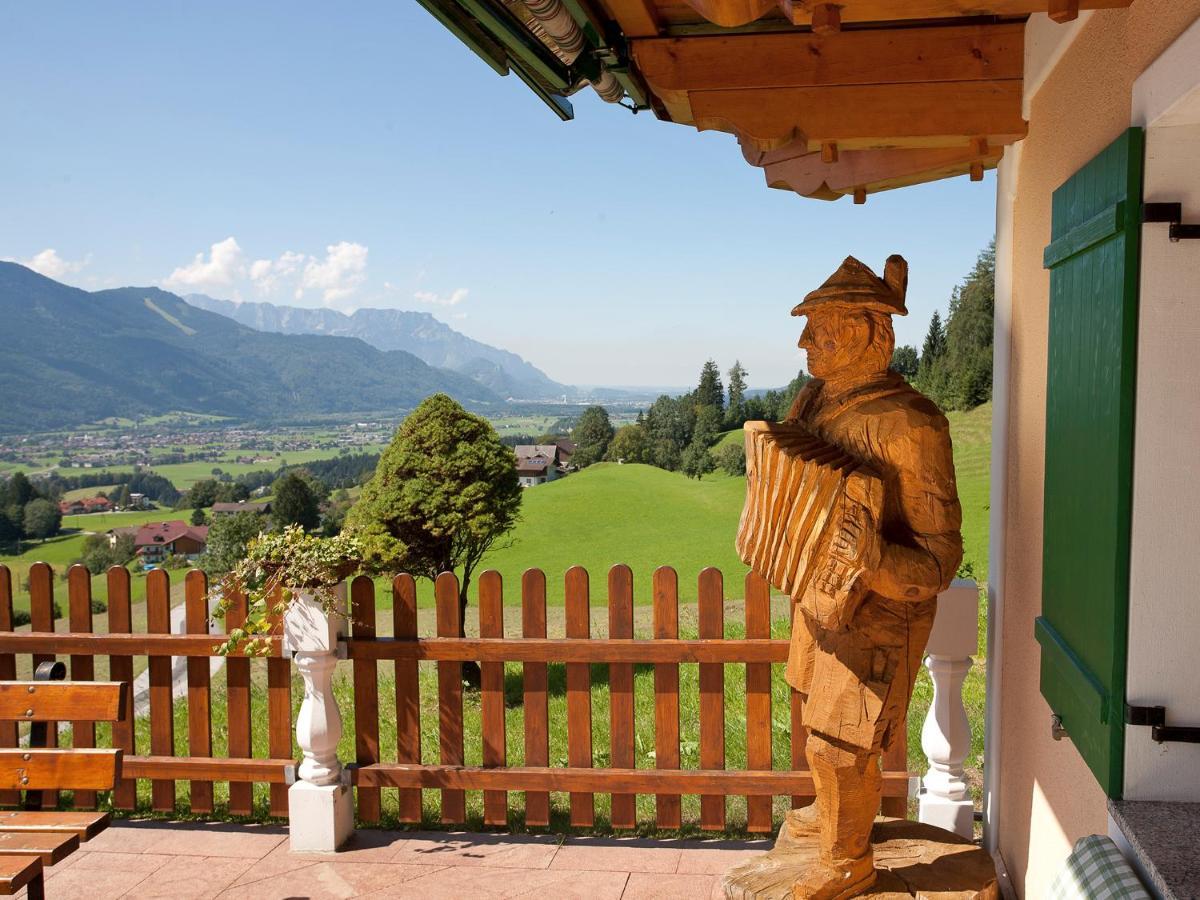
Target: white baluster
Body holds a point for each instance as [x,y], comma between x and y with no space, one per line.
[946,735]
[320,805]
[319,722]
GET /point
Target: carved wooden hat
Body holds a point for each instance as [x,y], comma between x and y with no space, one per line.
[855,286]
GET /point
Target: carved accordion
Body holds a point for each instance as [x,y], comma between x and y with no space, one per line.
[810,523]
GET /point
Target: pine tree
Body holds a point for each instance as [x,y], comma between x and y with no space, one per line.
[710,391]
[735,413]
[935,340]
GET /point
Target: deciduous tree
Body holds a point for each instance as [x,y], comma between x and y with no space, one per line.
[41,519]
[591,435]
[295,503]
[227,540]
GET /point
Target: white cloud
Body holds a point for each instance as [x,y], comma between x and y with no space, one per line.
[267,274]
[50,264]
[225,264]
[434,299]
[338,275]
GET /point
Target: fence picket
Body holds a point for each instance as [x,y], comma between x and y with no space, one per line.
[491,700]
[758,700]
[366,693]
[579,694]
[799,732]
[711,602]
[199,693]
[120,668]
[668,810]
[83,667]
[620,684]
[41,618]
[162,719]
[279,716]
[535,676]
[237,701]
[895,759]
[450,699]
[408,693]
[8,672]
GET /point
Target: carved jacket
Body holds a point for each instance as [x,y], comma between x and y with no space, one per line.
[858,680]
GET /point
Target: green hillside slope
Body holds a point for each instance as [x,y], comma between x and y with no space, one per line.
[647,517]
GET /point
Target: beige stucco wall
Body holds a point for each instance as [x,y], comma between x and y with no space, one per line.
[1047,796]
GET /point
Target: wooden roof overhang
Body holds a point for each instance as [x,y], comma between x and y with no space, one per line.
[828,99]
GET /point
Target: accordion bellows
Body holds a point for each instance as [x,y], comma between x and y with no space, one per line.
[810,523]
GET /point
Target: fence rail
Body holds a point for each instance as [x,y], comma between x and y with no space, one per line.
[150,752]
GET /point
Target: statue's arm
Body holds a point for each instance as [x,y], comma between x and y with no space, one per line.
[923,563]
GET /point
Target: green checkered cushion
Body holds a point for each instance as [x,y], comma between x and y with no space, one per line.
[1096,870]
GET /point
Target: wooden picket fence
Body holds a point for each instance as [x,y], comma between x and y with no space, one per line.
[161,765]
[577,651]
[404,770]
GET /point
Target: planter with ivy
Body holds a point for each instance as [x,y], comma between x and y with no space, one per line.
[295,578]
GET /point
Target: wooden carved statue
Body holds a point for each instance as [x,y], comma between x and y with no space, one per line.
[852,510]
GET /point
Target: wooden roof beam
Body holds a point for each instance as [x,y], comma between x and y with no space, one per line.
[672,67]
[864,117]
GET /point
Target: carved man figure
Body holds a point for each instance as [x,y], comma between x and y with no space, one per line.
[857,680]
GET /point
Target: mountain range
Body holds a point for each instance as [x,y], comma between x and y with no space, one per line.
[418,333]
[71,356]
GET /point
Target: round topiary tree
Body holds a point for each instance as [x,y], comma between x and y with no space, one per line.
[444,491]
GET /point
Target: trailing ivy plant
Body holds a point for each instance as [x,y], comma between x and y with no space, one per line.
[277,568]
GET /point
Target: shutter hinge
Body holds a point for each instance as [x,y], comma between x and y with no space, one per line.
[1171,213]
[1155,717]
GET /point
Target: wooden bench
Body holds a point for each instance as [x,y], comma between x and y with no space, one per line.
[31,838]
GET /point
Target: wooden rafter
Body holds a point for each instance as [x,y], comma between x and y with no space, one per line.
[637,18]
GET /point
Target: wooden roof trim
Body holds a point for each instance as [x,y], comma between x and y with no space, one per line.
[674,66]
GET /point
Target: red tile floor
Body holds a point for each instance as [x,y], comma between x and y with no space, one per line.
[191,860]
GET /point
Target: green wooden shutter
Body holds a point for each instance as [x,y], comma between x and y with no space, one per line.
[1093,263]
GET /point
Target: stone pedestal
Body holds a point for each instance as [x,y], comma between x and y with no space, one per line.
[912,860]
[320,816]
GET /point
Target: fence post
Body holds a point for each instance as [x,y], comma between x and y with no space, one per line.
[946,735]
[321,802]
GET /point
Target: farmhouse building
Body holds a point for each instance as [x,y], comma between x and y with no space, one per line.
[85,505]
[539,463]
[156,541]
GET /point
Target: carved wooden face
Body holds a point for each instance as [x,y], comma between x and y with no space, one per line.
[837,341]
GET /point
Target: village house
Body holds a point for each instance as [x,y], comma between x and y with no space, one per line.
[539,463]
[156,541]
[85,505]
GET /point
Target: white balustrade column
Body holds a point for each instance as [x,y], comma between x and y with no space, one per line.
[946,736]
[321,802]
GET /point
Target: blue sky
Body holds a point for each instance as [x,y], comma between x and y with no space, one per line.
[358,155]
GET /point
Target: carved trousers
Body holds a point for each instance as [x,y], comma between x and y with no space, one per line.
[849,785]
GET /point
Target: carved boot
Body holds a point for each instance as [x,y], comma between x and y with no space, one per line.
[837,881]
[799,824]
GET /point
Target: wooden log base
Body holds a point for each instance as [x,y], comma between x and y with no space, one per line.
[911,860]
